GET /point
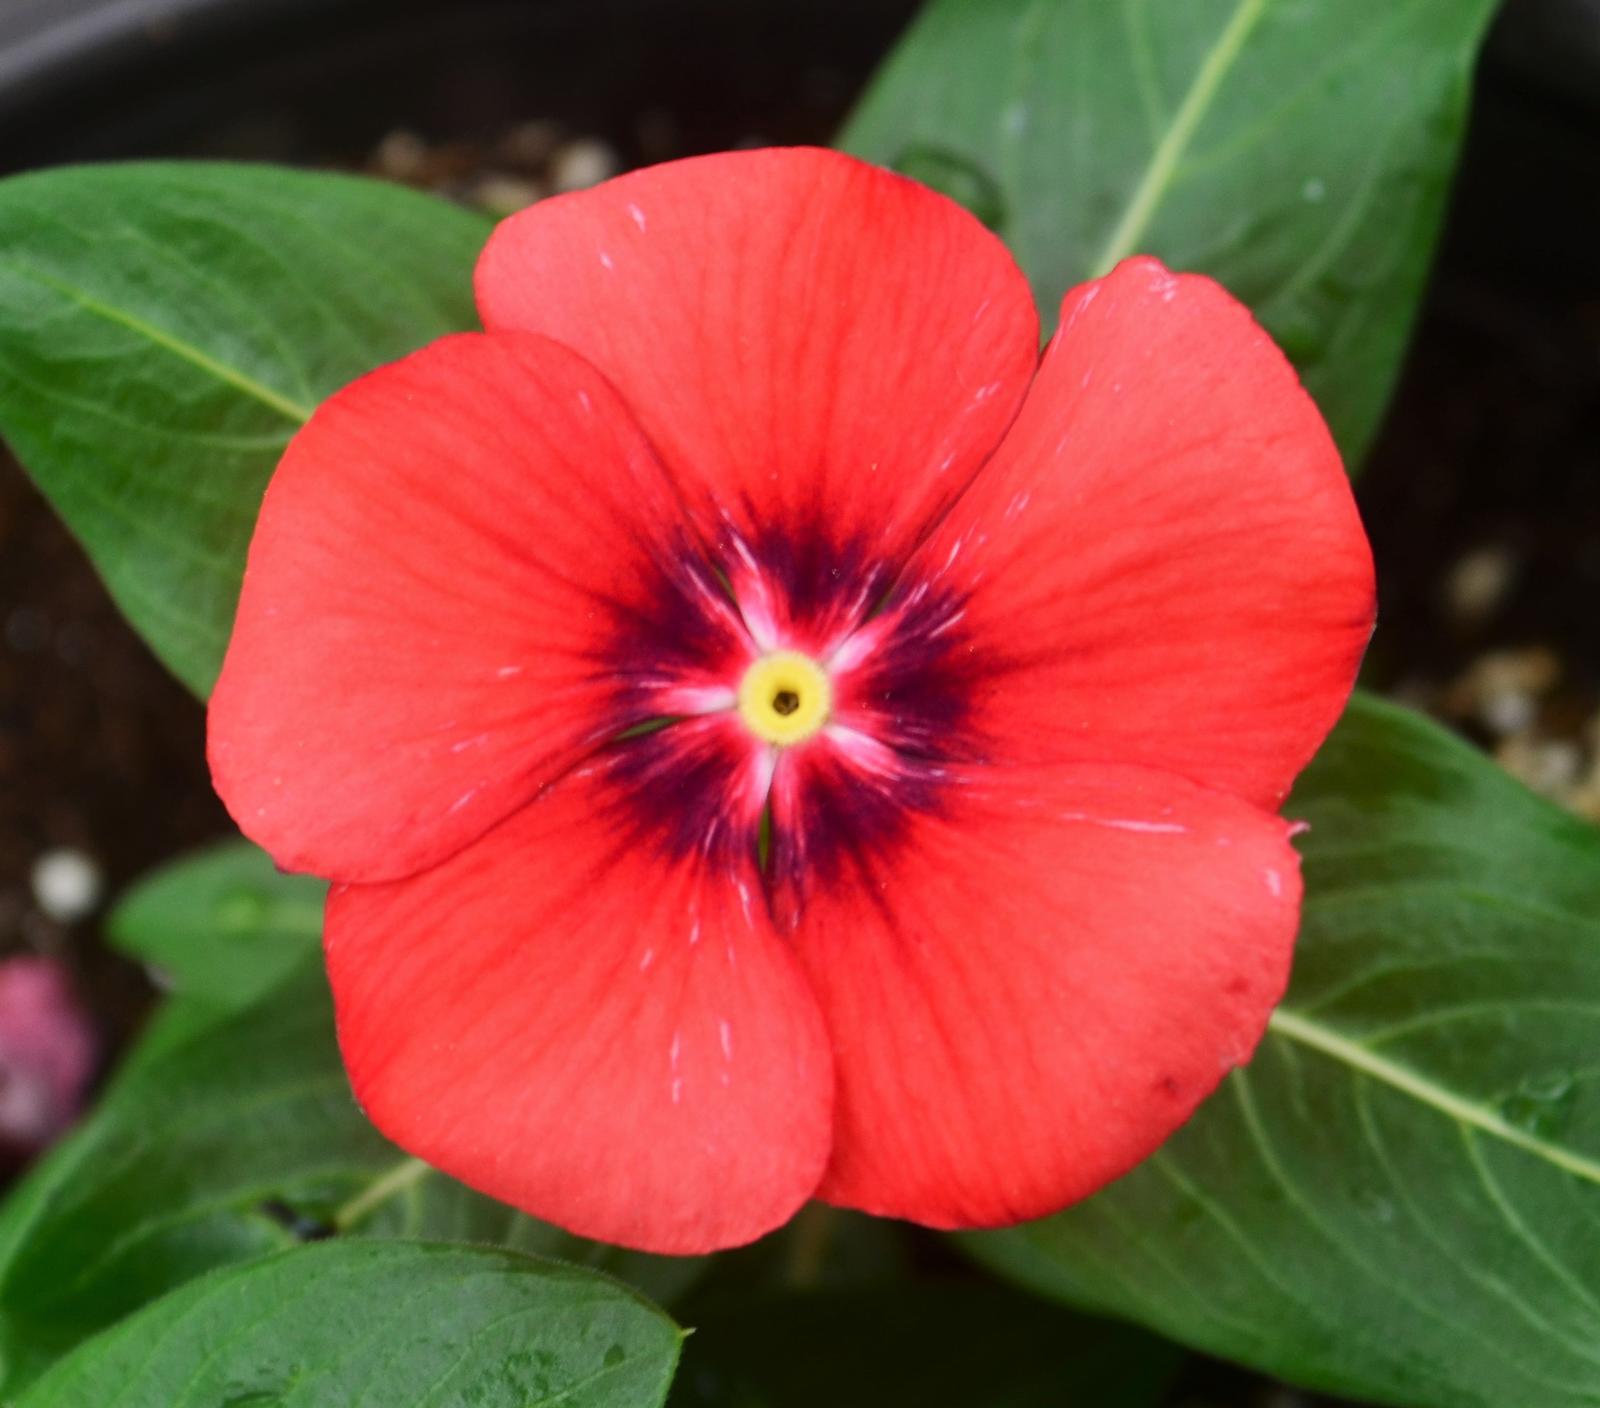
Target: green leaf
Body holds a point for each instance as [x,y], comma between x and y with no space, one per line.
[936,1344]
[1299,151]
[236,1138]
[223,924]
[400,1325]
[1399,1199]
[164,330]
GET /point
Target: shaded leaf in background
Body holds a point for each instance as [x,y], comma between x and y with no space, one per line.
[935,1344]
[166,327]
[223,924]
[821,1248]
[395,1324]
[238,1140]
[1399,1199]
[1299,151]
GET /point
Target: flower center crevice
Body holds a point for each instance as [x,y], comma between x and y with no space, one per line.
[815,710]
[785,698]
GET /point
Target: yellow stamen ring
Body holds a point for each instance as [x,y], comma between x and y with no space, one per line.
[785,697]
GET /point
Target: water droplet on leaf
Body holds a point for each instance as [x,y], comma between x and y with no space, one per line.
[1542,1104]
[241,909]
[1376,1205]
[1304,339]
[956,176]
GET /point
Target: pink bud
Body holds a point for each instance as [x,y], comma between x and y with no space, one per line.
[47,1055]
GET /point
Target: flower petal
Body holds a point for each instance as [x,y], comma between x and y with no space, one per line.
[578,1018]
[1037,983]
[437,560]
[1163,563]
[807,339]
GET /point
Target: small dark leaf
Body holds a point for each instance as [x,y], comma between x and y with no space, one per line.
[224,924]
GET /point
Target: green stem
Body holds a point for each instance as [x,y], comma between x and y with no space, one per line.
[402,1176]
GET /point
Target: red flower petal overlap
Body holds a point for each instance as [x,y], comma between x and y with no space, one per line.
[772,743]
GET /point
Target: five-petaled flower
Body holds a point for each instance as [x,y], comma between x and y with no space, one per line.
[771,735]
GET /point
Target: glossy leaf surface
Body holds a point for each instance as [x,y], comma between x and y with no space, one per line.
[1399,1199]
[165,328]
[400,1324]
[1299,151]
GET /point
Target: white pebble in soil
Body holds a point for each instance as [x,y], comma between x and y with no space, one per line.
[402,156]
[503,195]
[531,144]
[1552,767]
[1480,582]
[1504,689]
[582,163]
[1508,711]
[66,885]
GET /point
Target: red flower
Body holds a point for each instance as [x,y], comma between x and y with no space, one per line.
[954,882]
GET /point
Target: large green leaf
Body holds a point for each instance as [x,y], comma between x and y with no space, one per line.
[1297,150]
[935,1344]
[401,1325]
[165,328]
[223,924]
[1400,1197]
[238,1138]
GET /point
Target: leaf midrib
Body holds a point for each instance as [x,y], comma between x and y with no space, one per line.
[1361,1058]
[1129,230]
[185,351]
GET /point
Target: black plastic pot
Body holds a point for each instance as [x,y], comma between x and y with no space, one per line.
[95,78]
[312,80]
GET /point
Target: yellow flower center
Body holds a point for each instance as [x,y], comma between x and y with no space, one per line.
[785,697]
